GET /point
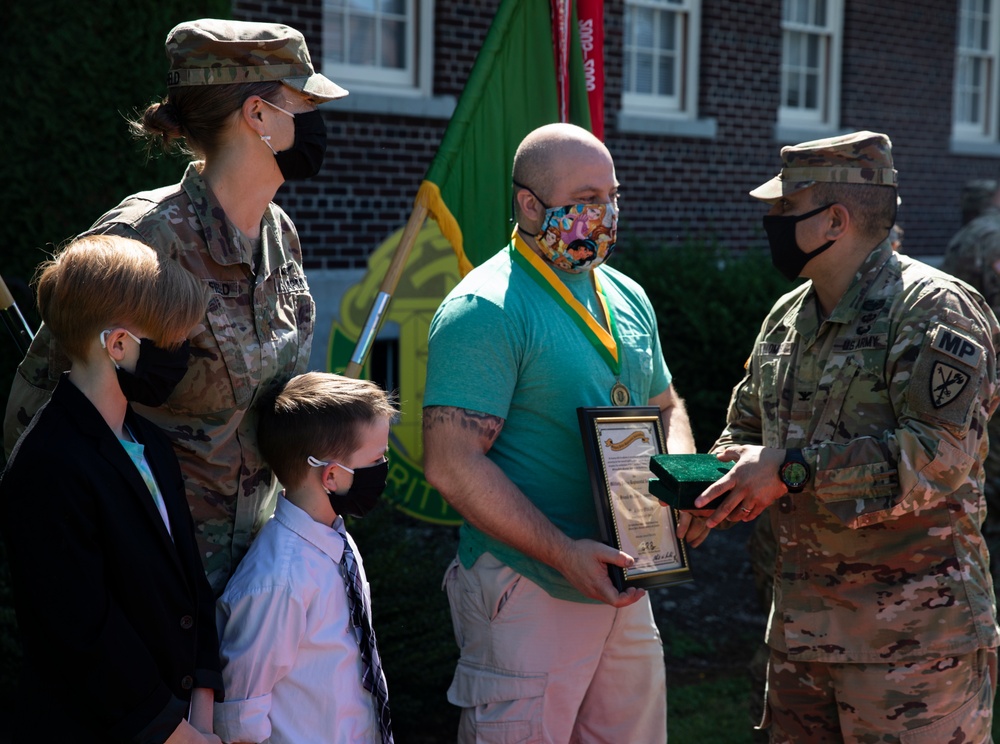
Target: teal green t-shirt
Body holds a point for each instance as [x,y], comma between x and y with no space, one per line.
[501,345]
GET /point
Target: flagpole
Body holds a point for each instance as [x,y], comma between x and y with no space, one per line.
[18,327]
[381,304]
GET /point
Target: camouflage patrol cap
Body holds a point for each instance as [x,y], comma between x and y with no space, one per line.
[977,194]
[211,51]
[860,157]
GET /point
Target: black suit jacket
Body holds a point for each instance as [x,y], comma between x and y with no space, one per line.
[116,619]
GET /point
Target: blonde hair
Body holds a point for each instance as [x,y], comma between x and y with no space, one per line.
[103,281]
[319,414]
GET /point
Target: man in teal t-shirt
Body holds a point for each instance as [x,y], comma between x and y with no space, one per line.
[535,332]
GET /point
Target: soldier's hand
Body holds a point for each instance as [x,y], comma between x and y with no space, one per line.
[749,488]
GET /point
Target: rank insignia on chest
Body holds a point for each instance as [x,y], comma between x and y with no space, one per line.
[946,383]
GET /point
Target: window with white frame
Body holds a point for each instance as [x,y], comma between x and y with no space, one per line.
[810,63]
[382,46]
[977,82]
[660,47]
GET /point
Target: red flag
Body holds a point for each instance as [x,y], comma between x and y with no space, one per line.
[591,23]
[560,48]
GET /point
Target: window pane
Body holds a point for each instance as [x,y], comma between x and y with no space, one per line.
[394,44]
[668,33]
[333,37]
[792,98]
[644,73]
[812,91]
[801,14]
[794,50]
[361,47]
[812,52]
[397,7]
[666,81]
[820,18]
[642,29]
[366,5]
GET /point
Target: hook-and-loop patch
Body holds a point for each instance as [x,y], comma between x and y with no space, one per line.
[946,375]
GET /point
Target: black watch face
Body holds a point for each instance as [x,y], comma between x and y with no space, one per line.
[794,474]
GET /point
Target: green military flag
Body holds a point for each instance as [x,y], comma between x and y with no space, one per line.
[511,90]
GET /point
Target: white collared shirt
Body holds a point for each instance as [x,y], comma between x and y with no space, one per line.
[292,668]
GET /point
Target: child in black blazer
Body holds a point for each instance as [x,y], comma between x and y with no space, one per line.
[115,613]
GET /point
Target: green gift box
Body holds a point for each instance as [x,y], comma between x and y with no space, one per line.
[680,479]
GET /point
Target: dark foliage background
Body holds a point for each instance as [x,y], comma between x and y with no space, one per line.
[73,73]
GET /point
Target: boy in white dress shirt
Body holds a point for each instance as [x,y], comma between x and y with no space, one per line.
[296,642]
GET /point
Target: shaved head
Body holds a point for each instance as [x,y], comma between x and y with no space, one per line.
[548,156]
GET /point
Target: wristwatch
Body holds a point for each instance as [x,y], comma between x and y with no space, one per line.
[794,471]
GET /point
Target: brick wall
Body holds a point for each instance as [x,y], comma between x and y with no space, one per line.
[901,83]
[375,162]
[898,62]
[677,187]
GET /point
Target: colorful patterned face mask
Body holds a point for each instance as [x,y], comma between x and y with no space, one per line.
[579,237]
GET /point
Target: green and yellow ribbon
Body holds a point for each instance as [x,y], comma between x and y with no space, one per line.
[606,343]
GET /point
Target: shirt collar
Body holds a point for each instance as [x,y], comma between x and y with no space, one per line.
[804,317]
[222,240]
[326,539]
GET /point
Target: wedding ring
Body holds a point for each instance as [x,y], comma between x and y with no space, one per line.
[747,510]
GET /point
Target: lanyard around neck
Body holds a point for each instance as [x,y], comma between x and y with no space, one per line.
[606,343]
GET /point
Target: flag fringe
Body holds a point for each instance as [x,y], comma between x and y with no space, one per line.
[429,196]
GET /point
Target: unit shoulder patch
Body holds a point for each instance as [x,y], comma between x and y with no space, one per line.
[946,383]
[957,345]
[946,377]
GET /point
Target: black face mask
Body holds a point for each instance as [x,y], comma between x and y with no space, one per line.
[786,255]
[305,157]
[157,372]
[364,493]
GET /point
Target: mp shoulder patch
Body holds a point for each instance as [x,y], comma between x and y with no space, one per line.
[957,345]
[946,376]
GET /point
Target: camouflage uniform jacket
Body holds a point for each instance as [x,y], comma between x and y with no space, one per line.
[257,332]
[881,559]
[973,255]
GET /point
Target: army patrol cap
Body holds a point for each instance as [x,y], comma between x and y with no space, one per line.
[211,51]
[860,157]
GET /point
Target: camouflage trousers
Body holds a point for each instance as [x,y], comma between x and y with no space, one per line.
[926,702]
[991,527]
[762,549]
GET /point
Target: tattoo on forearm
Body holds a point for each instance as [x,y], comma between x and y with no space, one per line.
[483,426]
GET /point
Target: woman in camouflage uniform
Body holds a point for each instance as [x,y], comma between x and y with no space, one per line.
[242,99]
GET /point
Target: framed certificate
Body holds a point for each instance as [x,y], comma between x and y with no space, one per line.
[619,443]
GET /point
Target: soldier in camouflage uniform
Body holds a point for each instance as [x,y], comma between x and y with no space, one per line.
[243,98]
[859,431]
[978,195]
[973,256]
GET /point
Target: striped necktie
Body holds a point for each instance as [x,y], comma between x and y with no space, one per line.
[372,678]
